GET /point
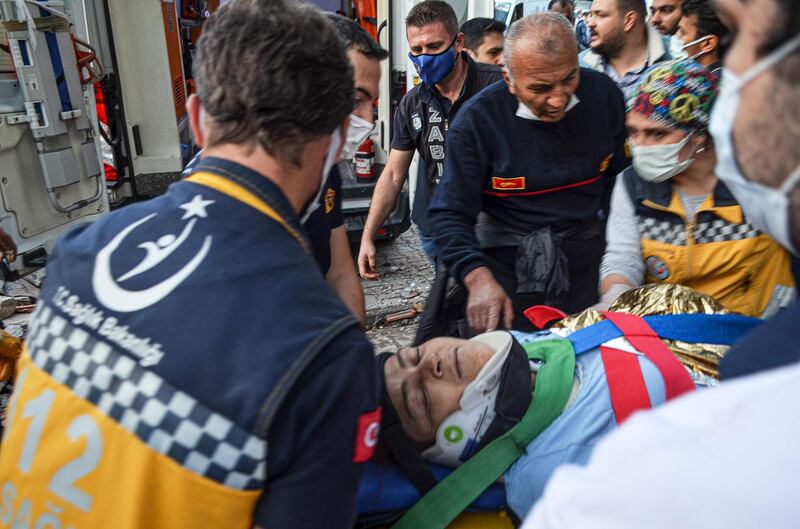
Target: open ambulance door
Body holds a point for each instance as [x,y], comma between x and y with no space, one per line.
[50,165]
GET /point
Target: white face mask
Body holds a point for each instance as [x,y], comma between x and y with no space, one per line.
[677,48]
[659,163]
[765,207]
[330,160]
[357,133]
[524,111]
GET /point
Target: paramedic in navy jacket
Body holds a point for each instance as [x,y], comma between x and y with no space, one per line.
[325,227]
[189,342]
[536,157]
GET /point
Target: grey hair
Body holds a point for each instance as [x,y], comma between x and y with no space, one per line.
[272,73]
[551,32]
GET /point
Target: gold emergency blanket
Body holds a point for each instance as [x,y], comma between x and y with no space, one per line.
[661,299]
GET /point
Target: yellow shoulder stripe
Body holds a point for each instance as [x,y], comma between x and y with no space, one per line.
[237,192]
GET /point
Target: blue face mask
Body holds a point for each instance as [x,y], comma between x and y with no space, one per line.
[433,68]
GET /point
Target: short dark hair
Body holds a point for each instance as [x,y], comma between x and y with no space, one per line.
[354,36]
[430,12]
[553,3]
[637,6]
[272,72]
[475,30]
[786,27]
[708,23]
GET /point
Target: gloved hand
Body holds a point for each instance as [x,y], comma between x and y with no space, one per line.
[610,295]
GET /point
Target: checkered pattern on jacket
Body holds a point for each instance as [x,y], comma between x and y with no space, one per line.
[721,231]
[169,421]
[662,231]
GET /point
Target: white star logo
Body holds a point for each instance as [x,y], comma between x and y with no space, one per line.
[196,208]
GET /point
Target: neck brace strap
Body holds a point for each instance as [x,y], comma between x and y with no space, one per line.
[456,492]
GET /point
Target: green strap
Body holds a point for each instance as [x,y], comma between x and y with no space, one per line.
[458,490]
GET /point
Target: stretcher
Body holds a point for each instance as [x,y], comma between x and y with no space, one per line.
[385,493]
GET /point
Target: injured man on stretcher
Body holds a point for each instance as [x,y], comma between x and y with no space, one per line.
[514,406]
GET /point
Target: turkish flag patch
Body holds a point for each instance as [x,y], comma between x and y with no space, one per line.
[508,184]
[369,426]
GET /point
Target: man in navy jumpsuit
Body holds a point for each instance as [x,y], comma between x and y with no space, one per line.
[536,157]
[187,365]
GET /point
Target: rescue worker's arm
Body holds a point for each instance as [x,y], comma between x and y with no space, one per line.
[384,199]
[622,267]
[453,213]
[312,479]
[342,274]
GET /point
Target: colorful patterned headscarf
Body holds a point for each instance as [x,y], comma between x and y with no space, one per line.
[678,94]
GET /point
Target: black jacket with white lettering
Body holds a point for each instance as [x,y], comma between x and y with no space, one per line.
[422,121]
[217,375]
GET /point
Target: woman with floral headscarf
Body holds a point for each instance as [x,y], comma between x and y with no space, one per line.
[671,219]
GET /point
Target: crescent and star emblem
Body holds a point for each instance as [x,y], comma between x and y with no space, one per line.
[115,297]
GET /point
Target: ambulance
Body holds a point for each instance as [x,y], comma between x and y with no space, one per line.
[92,109]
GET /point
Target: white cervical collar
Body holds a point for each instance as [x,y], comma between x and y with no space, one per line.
[460,434]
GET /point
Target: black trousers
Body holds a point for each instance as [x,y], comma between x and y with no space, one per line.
[584,257]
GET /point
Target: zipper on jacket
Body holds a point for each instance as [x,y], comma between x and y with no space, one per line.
[688,226]
[689,245]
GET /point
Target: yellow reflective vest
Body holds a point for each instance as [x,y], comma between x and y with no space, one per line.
[716,252]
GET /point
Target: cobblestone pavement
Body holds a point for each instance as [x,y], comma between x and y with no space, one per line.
[391,337]
[405,277]
[400,292]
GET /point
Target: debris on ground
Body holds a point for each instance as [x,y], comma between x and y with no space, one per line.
[8,307]
[395,301]
[17,301]
[402,315]
[405,277]
[390,337]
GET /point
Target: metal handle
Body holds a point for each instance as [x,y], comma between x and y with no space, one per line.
[383,26]
[51,194]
